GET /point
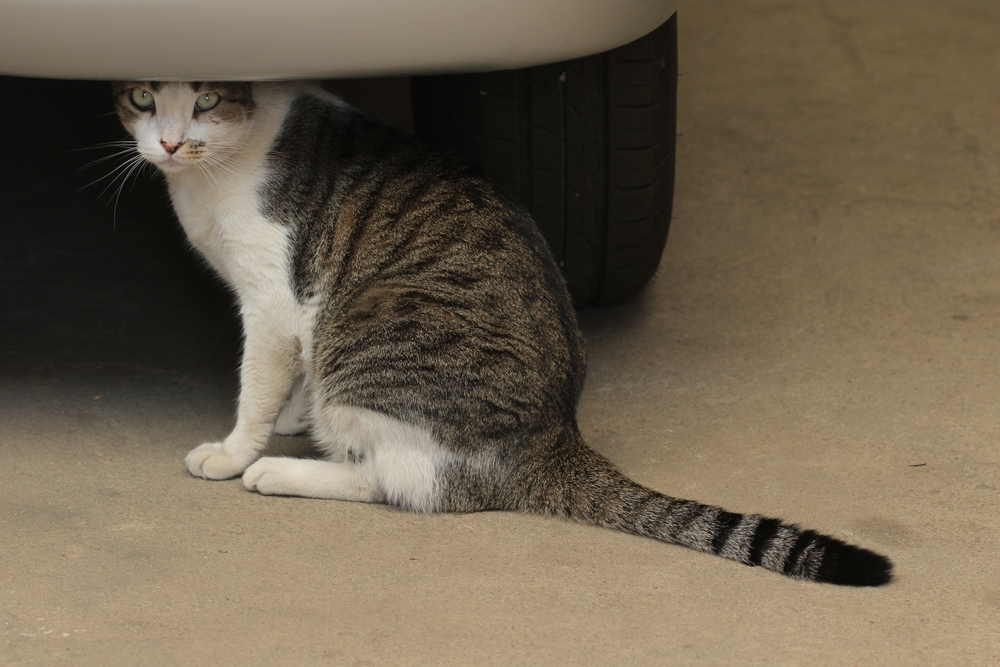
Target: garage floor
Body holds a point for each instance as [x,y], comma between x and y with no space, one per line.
[822,343]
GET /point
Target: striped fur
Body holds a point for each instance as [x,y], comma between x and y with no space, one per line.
[426,330]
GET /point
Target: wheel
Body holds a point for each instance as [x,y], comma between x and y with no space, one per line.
[586,145]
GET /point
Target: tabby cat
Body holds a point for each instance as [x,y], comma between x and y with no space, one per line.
[412,319]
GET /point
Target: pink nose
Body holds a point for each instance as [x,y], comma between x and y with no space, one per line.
[171,148]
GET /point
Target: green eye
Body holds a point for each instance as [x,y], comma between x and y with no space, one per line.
[206,101]
[141,98]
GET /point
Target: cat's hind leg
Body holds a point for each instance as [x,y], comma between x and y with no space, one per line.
[279,476]
[372,457]
[294,417]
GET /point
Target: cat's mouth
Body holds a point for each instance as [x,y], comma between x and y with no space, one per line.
[169,162]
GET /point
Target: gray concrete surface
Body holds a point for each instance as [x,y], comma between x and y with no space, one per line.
[822,343]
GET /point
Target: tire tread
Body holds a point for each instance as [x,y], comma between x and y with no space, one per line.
[586,145]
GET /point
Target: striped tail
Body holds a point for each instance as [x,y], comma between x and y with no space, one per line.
[748,538]
[593,491]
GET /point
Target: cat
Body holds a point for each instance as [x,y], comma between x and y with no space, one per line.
[412,319]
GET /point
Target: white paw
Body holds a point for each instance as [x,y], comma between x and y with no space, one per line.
[212,462]
[270,476]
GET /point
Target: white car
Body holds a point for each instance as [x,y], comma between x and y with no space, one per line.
[568,105]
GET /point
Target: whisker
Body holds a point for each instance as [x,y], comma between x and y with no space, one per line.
[106,144]
[219,162]
[108,175]
[115,174]
[107,157]
[205,170]
[135,165]
[121,166]
[123,175]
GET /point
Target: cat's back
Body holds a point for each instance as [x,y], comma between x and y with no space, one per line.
[433,290]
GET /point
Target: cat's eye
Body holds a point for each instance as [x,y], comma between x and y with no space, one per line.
[206,101]
[141,98]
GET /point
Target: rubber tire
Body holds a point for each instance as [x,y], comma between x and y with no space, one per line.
[586,145]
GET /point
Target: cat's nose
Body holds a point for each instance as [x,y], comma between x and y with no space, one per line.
[171,148]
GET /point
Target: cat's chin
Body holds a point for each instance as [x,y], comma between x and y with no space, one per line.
[171,166]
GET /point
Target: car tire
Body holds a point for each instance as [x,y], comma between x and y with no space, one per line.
[586,145]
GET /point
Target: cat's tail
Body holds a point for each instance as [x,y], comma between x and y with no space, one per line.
[584,486]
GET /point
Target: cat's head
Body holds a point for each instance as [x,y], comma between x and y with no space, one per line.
[177,125]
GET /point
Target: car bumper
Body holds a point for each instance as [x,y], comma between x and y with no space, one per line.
[258,39]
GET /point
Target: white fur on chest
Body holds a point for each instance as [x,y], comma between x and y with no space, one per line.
[223,221]
[220,213]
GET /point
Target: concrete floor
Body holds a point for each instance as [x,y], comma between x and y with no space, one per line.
[822,343]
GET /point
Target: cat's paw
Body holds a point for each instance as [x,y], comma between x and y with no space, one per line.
[270,476]
[211,461]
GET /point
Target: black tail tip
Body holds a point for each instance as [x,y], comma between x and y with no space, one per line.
[847,565]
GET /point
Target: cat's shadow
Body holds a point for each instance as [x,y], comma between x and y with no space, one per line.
[293,446]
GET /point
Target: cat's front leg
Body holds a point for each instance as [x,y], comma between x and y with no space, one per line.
[270,363]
